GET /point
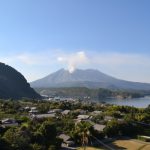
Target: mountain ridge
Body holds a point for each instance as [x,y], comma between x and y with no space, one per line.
[14,85]
[90,78]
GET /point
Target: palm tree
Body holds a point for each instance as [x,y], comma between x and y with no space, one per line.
[82,130]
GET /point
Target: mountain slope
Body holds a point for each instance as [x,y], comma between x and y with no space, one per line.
[89,78]
[13,84]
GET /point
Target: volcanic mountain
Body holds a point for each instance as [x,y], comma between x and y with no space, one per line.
[14,85]
[89,78]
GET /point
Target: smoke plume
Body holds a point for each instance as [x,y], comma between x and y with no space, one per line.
[74,60]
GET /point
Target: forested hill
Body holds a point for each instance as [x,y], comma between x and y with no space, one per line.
[14,85]
[81,92]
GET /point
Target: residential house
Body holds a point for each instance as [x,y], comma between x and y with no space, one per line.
[96,112]
[81,111]
[108,118]
[83,117]
[67,141]
[9,122]
[65,112]
[99,127]
[54,111]
[53,115]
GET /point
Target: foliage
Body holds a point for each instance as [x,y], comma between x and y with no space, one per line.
[82,92]
[4,145]
[81,132]
[42,134]
[36,146]
[18,139]
[112,128]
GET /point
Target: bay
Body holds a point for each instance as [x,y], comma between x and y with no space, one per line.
[136,102]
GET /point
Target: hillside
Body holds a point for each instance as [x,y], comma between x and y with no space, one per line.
[89,78]
[14,85]
[81,92]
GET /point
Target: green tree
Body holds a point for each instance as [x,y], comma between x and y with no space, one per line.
[36,146]
[48,131]
[112,128]
[18,139]
[4,145]
[82,132]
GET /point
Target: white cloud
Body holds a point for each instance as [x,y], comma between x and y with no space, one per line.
[77,59]
[27,59]
[134,67]
[32,58]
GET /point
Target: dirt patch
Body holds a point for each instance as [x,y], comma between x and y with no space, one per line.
[146,147]
[90,148]
[130,145]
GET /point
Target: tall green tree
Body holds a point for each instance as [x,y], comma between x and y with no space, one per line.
[82,132]
[18,139]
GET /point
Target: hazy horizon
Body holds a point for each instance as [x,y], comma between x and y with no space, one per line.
[40,37]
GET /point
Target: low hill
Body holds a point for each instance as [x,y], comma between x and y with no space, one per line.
[82,92]
[14,85]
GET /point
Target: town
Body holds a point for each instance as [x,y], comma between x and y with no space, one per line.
[72,124]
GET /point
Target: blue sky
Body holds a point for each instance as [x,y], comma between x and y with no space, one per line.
[38,37]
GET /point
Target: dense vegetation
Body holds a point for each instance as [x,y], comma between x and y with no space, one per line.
[14,85]
[98,94]
[43,133]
